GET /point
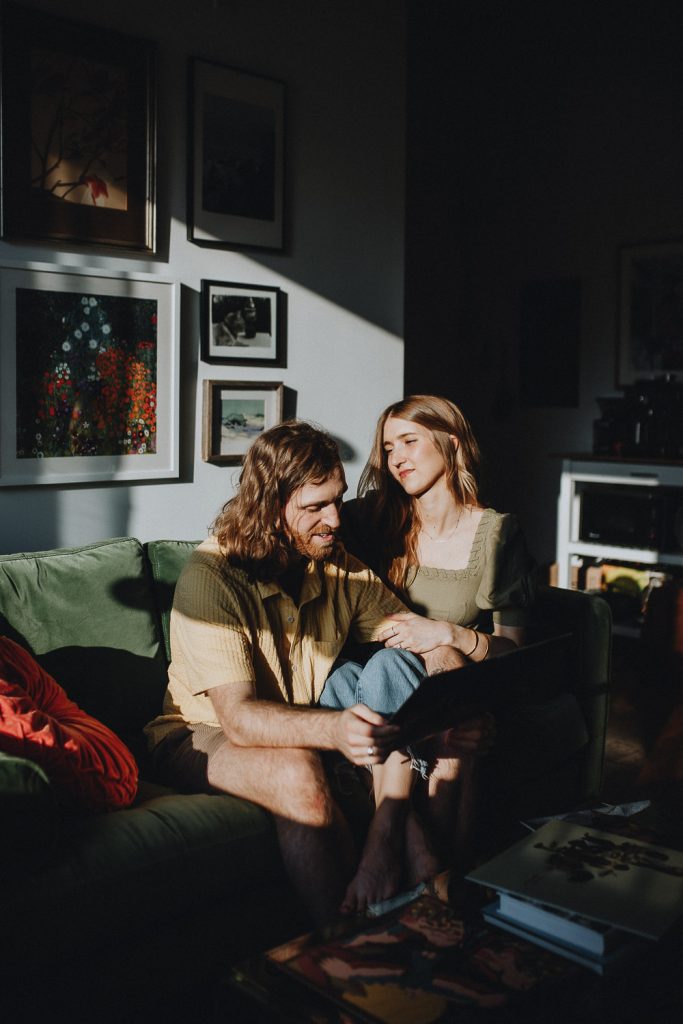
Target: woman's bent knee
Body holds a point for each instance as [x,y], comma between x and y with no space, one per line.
[388,679]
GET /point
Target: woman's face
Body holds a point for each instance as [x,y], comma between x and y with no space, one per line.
[412,457]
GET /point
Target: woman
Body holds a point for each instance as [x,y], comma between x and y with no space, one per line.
[465,572]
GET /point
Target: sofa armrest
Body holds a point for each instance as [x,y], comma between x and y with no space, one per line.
[589,618]
[29,811]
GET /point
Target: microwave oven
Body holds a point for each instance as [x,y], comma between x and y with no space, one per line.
[632,517]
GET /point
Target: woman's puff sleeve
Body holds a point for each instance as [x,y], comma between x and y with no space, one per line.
[508,583]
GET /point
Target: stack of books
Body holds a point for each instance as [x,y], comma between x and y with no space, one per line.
[593,897]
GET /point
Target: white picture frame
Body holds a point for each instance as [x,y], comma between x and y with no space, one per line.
[89,376]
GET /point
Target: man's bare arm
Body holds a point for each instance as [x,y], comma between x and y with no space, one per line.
[250,722]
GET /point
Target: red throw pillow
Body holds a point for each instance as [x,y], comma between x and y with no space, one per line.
[89,766]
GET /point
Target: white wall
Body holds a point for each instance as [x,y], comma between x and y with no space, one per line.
[344,67]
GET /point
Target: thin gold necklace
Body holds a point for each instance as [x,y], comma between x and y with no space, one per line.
[442,540]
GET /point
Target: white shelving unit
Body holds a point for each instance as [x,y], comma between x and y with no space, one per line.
[578,473]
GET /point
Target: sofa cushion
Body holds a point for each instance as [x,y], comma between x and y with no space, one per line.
[110,874]
[167,558]
[88,766]
[88,616]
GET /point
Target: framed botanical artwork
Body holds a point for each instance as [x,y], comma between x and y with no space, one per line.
[88,376]
[235,158]
[650,341]
[78,132]
[243,324]
[234,414]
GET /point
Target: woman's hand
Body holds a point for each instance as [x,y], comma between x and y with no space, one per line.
[474,737]
[416,633]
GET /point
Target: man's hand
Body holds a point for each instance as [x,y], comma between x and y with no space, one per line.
[363,736]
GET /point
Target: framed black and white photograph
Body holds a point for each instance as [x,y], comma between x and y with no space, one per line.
[88,376]
[235,413]
[243,324]
[78,132]
[236,158]
[650,341]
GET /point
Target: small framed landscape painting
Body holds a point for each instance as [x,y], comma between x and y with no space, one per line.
[650,341]
[235,158]
[78,132]
[88,376]
[243,324]
[235,414]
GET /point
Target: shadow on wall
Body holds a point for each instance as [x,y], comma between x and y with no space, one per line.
[343,152]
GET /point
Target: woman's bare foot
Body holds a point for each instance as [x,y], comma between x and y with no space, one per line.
[422,863]
[379,872]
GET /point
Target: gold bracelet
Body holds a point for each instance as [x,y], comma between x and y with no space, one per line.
[476,644]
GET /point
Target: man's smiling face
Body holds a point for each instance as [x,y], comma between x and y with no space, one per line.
[312,516]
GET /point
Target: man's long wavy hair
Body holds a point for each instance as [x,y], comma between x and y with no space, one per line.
[394,513]
[251,528]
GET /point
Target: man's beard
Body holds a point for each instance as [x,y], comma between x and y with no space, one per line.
[316,552]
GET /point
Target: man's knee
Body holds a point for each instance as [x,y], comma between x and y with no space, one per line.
[304,790]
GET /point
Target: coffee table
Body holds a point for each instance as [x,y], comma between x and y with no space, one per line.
[325,976]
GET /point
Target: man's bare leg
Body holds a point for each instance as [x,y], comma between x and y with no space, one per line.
[317,847]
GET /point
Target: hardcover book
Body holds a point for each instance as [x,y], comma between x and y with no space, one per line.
[523,674]
[629,885]
[593,936]
[600,963]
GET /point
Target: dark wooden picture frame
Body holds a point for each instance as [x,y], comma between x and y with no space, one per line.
[650,333]
[235,174]
[234,413]
[243,324]
[78,132]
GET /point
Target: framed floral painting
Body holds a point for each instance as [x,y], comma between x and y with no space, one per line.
[88,376]
[78,132]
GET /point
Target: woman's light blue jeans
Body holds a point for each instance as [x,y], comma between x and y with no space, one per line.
[384,683]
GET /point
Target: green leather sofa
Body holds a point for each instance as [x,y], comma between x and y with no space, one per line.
[139,907]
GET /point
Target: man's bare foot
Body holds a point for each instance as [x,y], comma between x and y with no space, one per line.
[422,863]
[379,872]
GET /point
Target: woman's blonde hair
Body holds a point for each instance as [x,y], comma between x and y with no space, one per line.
[251,528]
[394,513]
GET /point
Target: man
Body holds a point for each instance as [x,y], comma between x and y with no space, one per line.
[260,615]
